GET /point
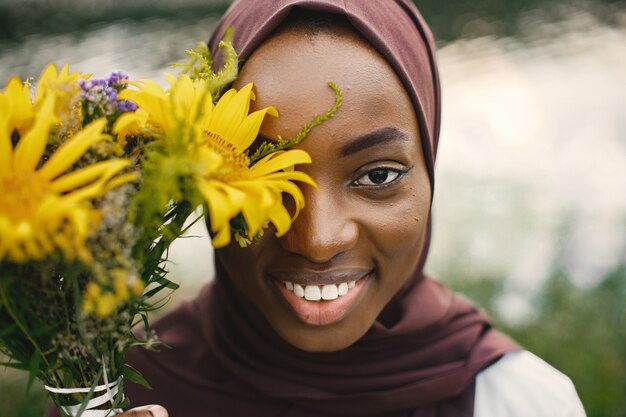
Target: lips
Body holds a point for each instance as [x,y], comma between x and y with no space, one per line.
[321,298]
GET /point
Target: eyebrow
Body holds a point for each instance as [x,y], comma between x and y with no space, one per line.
[373,138]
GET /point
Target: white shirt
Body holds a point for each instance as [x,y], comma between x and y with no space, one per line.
[522,385]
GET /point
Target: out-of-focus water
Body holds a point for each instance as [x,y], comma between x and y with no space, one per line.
[531,171]
[532,162]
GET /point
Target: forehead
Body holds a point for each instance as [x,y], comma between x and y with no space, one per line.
[291,71]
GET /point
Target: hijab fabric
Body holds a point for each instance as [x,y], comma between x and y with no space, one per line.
[421,356]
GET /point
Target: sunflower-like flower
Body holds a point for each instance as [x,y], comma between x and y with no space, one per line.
[20,109]
[45,206]
[216,138]
[62,83]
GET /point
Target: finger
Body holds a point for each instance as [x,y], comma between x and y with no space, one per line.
[146,411]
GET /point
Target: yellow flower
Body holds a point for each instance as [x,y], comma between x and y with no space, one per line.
[103,299]
[216,138]
[20,110]
[17,106]
[44,206]
[62,83]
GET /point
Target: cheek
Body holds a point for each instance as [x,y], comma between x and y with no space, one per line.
[396,231]
[401,234]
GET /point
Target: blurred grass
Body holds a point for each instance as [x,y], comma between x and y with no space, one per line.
[580,331]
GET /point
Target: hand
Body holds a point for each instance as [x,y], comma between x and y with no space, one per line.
[146,411]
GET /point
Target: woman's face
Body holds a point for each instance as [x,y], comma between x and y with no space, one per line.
[355,244]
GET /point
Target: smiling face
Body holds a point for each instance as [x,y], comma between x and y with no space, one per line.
[357,241]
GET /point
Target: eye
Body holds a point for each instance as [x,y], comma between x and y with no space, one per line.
[378,176]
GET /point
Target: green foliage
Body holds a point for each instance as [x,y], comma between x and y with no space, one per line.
[280,143]
[45,334]
[199,65]
[64,321]
[580,331]
[583,333]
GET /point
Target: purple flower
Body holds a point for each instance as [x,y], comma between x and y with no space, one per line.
[100,95]
[125,105]
[110,93]
[115,77]
[88,86]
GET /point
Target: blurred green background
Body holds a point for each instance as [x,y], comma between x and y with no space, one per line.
[530,202]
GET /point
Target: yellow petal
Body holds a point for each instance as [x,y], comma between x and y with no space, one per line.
[30,148]
[18,104]
[259,201]
[49,74]
[72,150]
[296,194]
[224,202]
[171,79]
[95,189]
[219,108]
[290,176]
[86,175]
[182,96]
[249,129]
[5,241]
[6,146]
[152,99]
[280,218]
[122,179]
[278,161]
[130,123]
[220,212]
[231,116]
[221,238]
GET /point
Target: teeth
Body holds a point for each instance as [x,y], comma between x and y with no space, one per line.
[298,290]
[330,292]
[312,293]
[320,292]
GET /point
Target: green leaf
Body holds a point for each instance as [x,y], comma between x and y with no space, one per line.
[167,283]
[83,405]
[7,330]
[16,365]
[33,369]
[134,376]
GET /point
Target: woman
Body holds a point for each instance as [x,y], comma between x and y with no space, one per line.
[336,317]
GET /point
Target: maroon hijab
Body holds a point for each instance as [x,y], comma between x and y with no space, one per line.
[421,356]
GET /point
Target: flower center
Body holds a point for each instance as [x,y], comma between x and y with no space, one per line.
[234,163]
[21,194]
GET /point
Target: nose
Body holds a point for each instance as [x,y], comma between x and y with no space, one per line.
[324,228]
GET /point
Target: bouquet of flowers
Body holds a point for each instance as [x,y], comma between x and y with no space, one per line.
[97,179]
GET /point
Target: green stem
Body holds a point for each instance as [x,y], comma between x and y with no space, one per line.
[85,382]
[280,144]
